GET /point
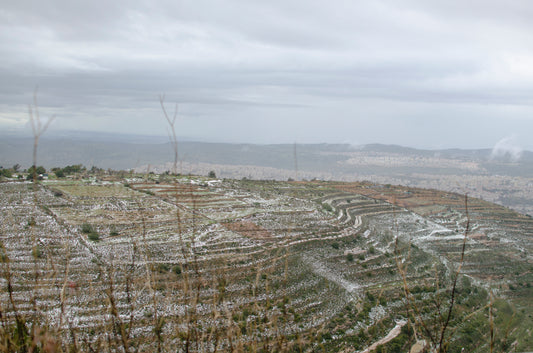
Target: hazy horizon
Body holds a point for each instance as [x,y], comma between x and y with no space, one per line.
[503,146]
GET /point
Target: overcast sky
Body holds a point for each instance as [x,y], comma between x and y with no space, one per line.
[428,74]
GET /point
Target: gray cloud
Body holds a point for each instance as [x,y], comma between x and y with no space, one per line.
[416,73]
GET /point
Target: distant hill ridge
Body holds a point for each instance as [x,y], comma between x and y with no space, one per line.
[131,151]
[497,178]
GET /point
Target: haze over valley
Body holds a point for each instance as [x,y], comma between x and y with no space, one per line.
[498,175]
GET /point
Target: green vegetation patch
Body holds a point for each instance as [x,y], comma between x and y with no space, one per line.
[80,189]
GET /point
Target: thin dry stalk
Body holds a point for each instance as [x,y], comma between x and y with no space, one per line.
[38,128]
[456,277]
[438,332]
[62,294]
[171,131]
[491,323]
[117,324]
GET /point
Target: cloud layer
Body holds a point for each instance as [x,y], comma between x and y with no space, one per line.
[417,73]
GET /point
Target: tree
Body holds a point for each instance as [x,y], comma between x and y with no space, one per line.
[8,173]
[35,171]
[212,174]
[71,169]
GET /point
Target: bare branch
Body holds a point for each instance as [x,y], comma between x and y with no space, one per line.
[172,127]
[37,128]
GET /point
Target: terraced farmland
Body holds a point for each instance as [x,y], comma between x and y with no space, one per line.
[199,264]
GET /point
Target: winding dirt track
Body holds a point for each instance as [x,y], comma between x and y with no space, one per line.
[392,334]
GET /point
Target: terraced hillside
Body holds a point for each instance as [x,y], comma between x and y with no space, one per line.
[197,264]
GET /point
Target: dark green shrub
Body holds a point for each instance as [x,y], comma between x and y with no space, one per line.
[113,231]
[93,236]
[8,173]
[31,222]
[36,252]
[176,269]
[163,268]
[86,228]
[370,297]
